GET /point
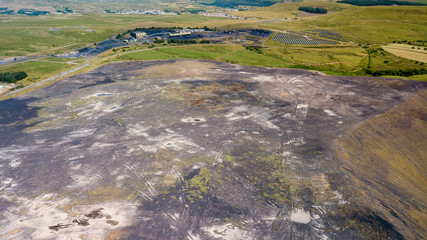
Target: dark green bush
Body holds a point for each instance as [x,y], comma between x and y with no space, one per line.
[12,77]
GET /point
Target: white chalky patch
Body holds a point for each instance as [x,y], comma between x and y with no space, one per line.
[43,212]
[339,197]
[139,130]
[15,163]
[227,232]
[286,153]
[85,132]
[300,216]
[111,108]
[256,114]
[175,142]
[330,113]
[193,120]
[264,78]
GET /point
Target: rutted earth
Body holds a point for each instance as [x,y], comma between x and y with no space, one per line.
[203,150]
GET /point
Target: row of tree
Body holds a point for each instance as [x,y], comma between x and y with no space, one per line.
[12,77]
[313,10]
[403,73]
[6,12]
[191,41]
[182,41]
[235,3]
[32,12]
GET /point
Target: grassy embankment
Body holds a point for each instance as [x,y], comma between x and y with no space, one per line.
[385,160]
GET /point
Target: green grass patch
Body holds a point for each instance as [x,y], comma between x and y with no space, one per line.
[36,70]
[49,34]
[376,24]
[58,59]
[331,60]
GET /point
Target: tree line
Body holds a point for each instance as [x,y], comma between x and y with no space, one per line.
[32,12]
[402,73]
[313,10]
[235,3]
[188,41]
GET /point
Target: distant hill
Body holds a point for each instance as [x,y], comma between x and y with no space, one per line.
[80,5]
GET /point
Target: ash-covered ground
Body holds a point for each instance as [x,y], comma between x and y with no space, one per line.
[192,150]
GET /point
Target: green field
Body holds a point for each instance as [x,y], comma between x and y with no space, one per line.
[37,70]
[25,35]
[331,60]
[367,29]
[373,25]
[290,10]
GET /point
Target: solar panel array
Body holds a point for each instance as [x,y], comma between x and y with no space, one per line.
[299,39]
[325,34]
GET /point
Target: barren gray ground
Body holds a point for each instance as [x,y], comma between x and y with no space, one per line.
[188,150]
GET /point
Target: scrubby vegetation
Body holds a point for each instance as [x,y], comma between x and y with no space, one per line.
[403,73]
[159,41]
[12,77]
[182,41]
[235,3]
[194,11]
[4,10]
[256,49]
[313,10]
[32,12]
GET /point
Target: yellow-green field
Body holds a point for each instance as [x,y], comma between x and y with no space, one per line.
[418,53]
[290,10]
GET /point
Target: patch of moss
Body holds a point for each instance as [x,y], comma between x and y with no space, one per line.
[213,96]
[265,170]
[184,163]
[79,102]
[197,187]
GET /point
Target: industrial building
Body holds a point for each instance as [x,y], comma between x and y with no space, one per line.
[180,33]
[138,34]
